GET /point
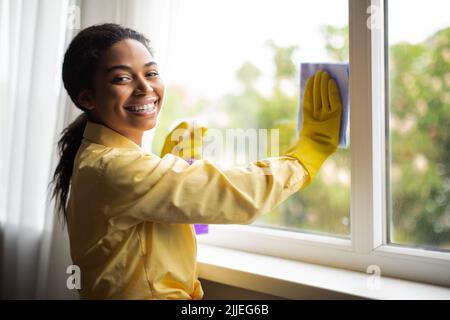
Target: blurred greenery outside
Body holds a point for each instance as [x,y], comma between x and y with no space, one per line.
[420,141]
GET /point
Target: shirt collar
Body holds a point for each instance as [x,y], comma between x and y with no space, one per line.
[101,134]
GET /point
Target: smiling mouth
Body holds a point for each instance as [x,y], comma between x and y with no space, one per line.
[147,108]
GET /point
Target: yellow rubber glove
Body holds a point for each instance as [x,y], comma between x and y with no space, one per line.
[319,137]
[185,141]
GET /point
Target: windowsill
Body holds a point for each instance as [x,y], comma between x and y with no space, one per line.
[299,280]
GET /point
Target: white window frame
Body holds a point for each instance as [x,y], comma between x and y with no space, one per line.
[368,245]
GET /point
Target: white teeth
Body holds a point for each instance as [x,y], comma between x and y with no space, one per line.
[147,107]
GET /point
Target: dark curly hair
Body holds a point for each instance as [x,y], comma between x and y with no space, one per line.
[80,62]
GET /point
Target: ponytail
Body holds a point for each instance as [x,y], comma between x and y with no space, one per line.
[68,145]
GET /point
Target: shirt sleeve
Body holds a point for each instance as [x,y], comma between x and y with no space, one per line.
[144,187]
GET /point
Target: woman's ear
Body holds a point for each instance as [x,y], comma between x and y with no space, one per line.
[85,99]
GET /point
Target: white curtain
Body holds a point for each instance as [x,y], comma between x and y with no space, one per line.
[34,109]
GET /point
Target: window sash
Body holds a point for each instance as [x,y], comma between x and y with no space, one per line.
[368,207]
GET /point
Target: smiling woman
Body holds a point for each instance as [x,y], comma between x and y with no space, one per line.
[127,92]
[130,213]
[91,76]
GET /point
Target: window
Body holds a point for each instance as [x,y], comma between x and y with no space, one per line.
[238,68]
[419,83]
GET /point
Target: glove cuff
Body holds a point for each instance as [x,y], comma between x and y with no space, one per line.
[311,154]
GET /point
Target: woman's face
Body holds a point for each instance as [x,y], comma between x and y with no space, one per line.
[128,91]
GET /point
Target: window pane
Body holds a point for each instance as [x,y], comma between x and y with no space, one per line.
[235,64]
[419,121]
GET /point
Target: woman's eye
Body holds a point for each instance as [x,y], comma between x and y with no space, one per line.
[120,79]
[152,74]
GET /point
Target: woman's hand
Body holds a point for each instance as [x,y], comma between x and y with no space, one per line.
[185,141]
[319,137]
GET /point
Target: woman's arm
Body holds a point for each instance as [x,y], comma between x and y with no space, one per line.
[148,188]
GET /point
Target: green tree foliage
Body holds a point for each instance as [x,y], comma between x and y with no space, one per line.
[285,66]
[337,43]
[420,141]
[247,74]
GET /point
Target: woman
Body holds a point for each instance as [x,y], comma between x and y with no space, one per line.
[130,213]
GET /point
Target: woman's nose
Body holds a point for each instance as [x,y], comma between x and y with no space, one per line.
[144,86]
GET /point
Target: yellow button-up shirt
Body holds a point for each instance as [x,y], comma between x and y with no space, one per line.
[131,213]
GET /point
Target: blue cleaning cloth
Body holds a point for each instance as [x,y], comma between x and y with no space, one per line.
[339,72]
